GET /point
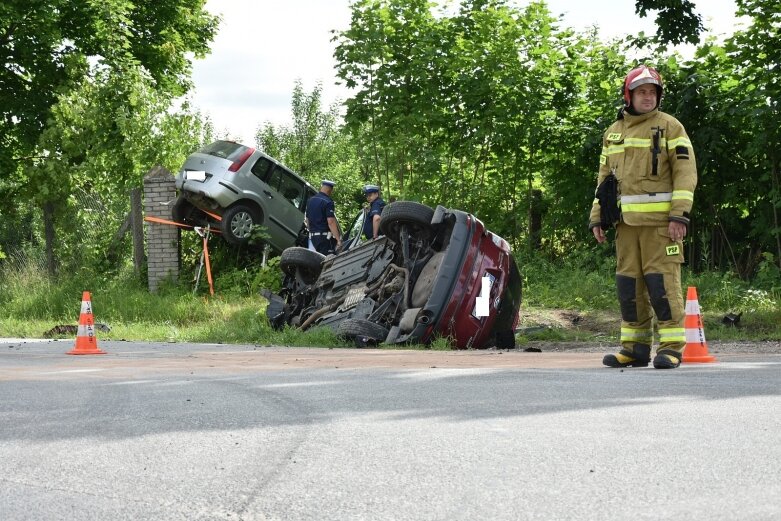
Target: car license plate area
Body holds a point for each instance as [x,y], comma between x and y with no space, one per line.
[195,175]
[483,300]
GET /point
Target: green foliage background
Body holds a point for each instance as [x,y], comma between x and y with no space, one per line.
[498,110]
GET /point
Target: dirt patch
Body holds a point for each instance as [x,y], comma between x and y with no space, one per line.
[129,360]
[45,361]
[597,322]
[601,330]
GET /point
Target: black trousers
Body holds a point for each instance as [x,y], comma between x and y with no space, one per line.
[324,245]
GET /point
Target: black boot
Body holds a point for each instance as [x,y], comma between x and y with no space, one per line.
[639,356]
[667,359]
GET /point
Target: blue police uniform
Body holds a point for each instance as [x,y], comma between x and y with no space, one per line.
[318,209]
[374,209]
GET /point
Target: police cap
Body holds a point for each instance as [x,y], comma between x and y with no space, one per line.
[369,189]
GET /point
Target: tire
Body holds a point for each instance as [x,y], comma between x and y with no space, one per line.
[183,211]
[359,327]
[417,217]
[237,223]
[302,261]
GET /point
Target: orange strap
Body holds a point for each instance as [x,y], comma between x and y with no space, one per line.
[213,215]
[208,264]
[163,221]
[174,223]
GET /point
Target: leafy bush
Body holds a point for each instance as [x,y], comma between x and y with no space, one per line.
[768,276]
[250,280]
[578,281]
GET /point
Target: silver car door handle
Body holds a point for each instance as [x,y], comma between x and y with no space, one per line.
[268,194]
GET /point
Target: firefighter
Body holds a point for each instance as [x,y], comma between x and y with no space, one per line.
[371,224]
[652,163]
[321,220]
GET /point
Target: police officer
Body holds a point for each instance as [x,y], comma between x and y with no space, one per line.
[320,218]
[653,162]
[371,223]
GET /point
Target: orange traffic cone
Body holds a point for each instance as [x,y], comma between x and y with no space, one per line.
[86,341]
[696,349]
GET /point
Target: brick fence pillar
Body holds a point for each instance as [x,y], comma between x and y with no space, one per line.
[162,240]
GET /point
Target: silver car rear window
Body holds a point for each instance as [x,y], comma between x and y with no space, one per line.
[224,149]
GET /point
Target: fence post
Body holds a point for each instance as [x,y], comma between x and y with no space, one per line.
[137,227]
[162,241]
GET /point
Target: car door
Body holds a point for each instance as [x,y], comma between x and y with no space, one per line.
[286,202]
[259,177]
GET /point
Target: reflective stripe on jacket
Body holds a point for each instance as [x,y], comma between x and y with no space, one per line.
[648,198]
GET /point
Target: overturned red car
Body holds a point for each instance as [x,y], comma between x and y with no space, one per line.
[433,273]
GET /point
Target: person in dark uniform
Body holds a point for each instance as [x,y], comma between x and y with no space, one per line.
[321,220]
[371,224]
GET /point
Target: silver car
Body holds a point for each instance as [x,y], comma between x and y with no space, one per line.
[241,187]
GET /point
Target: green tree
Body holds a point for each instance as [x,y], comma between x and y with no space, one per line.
[45,46]
[728,98]
[388,55]
[53,49]
[468,115]
[757,55]
[506,83]
[315,146]
[100,140]
[676,21]
[593,77]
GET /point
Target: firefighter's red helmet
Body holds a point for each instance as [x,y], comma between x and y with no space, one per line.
[640,76]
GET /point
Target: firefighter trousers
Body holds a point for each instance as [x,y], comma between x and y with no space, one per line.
[648,282]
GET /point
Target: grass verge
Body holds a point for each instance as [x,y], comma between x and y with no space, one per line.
[560,305]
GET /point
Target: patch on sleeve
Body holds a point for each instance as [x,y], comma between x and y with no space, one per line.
[673,249]
[602,159]
[681,152]
[614,136]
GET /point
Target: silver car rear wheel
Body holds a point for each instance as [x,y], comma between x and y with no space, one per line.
[237,223]
[241,225]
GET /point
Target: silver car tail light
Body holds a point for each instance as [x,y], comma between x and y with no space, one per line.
[241,160]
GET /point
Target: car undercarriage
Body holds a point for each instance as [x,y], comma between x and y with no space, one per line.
[402,287]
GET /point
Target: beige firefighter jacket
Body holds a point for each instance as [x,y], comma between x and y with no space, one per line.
[646,199]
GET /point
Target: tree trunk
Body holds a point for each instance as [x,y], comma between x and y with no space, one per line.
[776,190]
[535,219]
[529,202]
[49,233]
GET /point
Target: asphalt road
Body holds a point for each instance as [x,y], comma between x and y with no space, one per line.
[206,432]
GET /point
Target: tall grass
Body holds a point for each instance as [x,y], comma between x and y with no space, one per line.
[582,283]
[578,281]
[31,303]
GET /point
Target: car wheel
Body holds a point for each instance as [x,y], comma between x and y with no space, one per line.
[237,223]
[358,327]
[183,211]
[417,217]
[302,261]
